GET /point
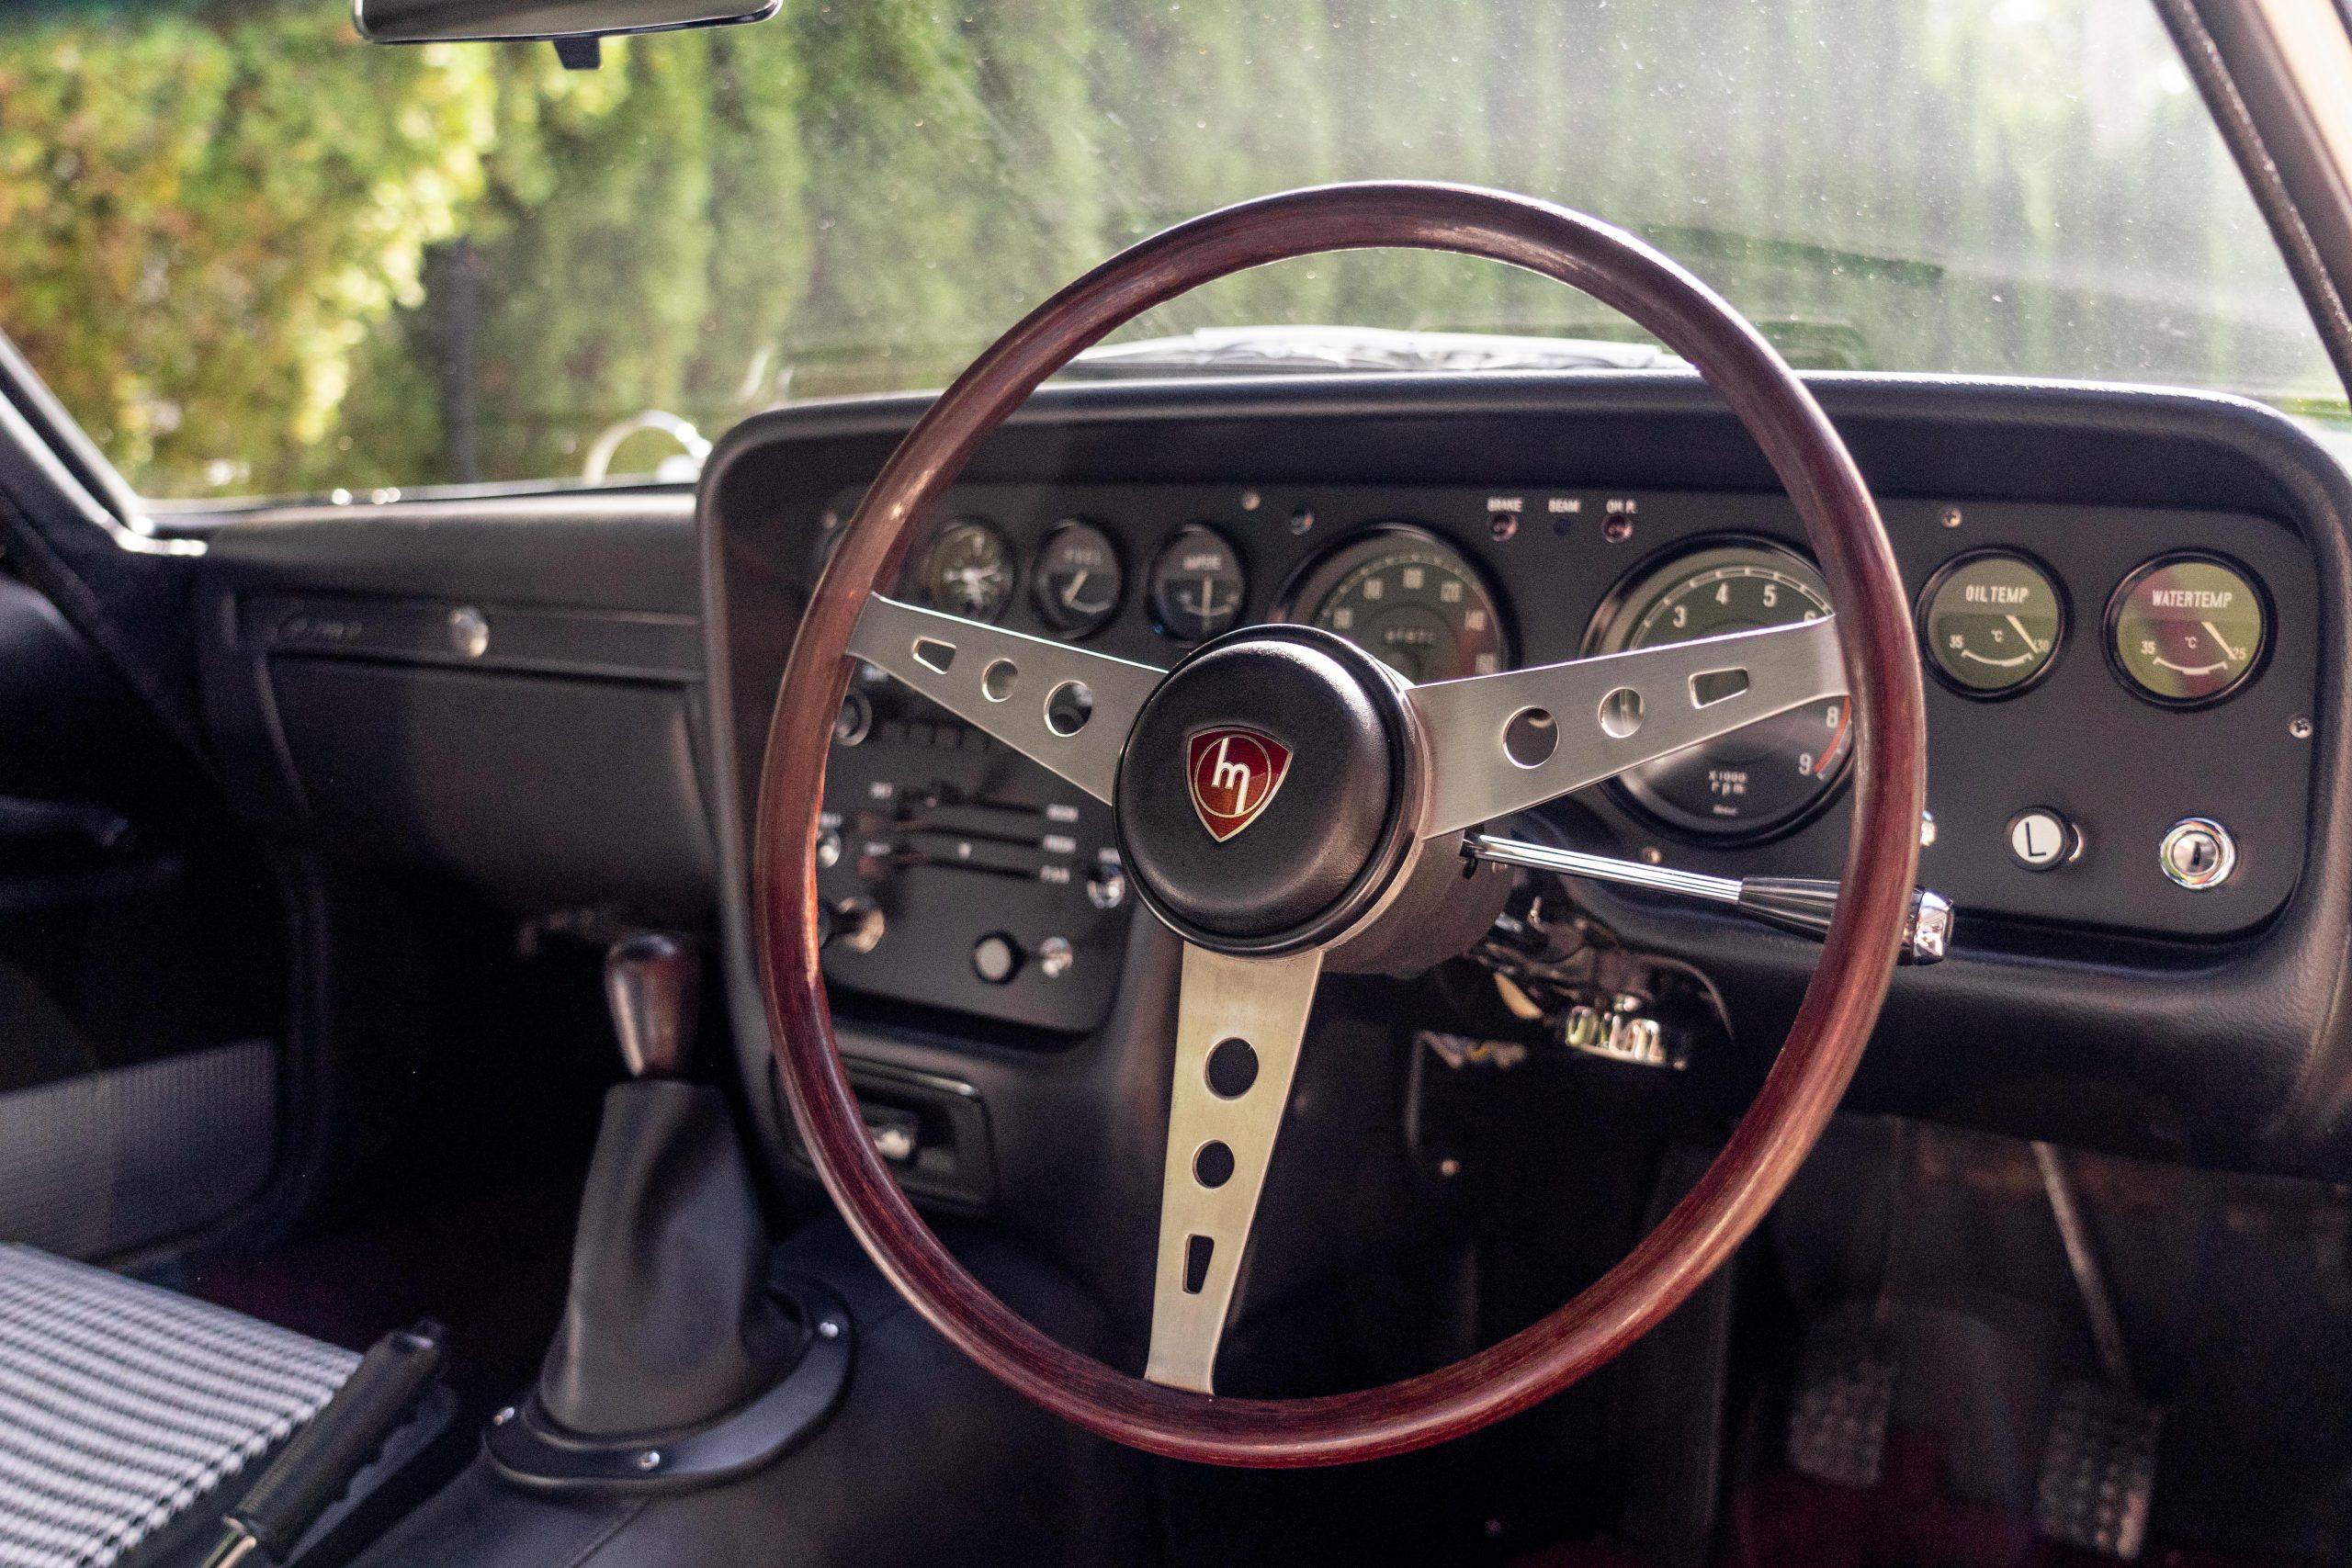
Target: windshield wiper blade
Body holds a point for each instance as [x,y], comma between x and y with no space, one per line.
[1325,350]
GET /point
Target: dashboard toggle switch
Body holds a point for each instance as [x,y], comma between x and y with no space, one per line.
[2197,853]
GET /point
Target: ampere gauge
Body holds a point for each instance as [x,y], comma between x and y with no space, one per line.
[1992,622]
[1197,584]
[2185,631]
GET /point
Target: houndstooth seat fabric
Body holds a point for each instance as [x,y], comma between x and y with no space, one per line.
[124,1406]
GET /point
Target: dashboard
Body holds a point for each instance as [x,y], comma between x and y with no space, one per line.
[2129,605]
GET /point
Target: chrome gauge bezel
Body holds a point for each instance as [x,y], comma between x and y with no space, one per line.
[2058,641]
[2149,568]
[1315,572]
[1630,791]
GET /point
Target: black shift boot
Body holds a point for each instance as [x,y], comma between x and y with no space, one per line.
[669,1323]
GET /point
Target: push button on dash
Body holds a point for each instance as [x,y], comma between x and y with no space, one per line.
[2040,839]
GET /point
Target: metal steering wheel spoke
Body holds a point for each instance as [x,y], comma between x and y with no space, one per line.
[1066,707]
[1503,743]
[1238,1032]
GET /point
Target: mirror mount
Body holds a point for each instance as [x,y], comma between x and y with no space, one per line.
[577,28]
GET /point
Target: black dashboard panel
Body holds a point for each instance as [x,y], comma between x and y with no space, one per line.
[2099,1001]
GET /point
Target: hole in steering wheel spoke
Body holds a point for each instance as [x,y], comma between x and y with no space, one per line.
[1531,736]
[1067,707]
[935,655]
[1198,1249]
[1621,713]
[999,679]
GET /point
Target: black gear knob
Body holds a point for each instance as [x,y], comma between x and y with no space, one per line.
[653,984]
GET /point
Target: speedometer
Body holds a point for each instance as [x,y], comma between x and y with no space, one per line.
[1764,774]
[1410,601]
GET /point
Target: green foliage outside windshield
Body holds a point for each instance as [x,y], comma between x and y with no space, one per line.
[254,255]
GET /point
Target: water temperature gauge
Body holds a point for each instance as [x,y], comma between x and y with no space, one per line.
[1992,622]
[2185,631]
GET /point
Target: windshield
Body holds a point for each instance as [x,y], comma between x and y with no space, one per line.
[253,255]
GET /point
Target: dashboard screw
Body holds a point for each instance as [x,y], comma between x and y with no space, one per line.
[828,1329]
[650,1460]
[505,1414]
[1653,855]
[2300,727]
[1302,520]
[1249,500]
[1951,517]
[1449,1167]
[1617,530]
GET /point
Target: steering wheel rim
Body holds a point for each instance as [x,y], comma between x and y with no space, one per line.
[1841,1002]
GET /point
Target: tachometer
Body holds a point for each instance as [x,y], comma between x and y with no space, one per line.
[1407,600]
[1769,772]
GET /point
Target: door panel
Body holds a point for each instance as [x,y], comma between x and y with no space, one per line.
[141,982]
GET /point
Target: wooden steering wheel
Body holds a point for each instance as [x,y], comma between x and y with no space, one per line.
[1284,799]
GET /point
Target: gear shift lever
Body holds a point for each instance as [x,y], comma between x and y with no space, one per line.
[653,984]
[669,1324]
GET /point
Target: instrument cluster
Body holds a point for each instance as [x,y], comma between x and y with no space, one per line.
[2181,629]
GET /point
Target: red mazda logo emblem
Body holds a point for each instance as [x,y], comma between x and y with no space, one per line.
[1234,773]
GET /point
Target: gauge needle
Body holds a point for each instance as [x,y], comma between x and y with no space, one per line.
[1070,594]
[2028,636]
[2221,641]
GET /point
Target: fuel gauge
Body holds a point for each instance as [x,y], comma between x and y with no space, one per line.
[2185,631]
[1078,583]
[1992,621]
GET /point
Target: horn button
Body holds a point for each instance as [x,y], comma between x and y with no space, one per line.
[1261,798]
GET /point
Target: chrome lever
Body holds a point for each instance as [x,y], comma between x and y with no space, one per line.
[1799,904]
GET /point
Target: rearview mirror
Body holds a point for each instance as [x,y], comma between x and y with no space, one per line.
[574,24]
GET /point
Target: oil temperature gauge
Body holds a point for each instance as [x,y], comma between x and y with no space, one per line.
[2185,631]
[1992,622]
